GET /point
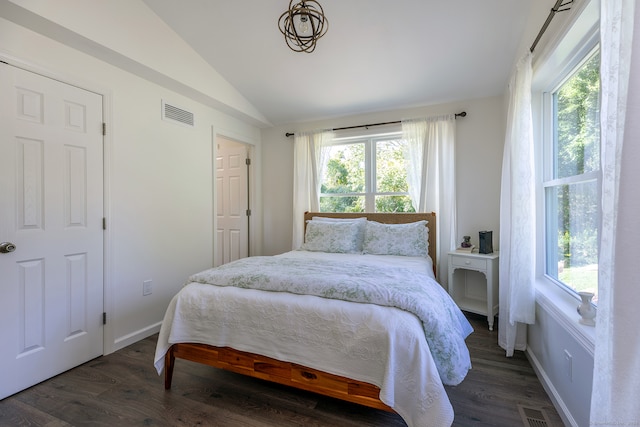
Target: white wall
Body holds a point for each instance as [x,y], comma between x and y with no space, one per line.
[479,139]
[127,34]
[159,192]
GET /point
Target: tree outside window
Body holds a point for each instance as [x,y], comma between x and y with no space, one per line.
[366,175]
[572,184]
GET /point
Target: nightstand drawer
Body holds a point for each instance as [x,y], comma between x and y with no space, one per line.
[471,263]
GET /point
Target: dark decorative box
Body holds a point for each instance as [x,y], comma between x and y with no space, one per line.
[486,242]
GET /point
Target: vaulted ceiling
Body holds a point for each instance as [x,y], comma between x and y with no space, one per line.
[377,55]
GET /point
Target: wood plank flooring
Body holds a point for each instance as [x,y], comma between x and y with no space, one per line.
[123,389]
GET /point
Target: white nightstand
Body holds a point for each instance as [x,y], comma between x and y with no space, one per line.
[471,296]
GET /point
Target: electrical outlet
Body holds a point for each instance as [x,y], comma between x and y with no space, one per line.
[568,364]
[147,287]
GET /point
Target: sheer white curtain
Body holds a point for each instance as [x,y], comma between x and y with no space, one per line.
[432,175]
[309,160]
[616,380]
[517,216]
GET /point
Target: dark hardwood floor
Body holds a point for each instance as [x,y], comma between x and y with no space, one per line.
[123,389]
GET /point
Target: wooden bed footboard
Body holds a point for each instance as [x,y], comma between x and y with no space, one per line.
[273,370]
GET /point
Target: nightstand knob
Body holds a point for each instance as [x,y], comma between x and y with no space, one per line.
[467,262]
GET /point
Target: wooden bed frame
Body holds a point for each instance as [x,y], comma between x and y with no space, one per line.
[291,374]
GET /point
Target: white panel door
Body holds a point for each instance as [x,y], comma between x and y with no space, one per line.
[51,208]
[232,202]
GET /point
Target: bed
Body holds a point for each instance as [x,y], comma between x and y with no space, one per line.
[355,314]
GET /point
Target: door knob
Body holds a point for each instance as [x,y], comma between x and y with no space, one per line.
[6,247]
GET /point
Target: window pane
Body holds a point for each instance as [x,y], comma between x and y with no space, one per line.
[342,204]
[394,204]
[345,172]
[572,235]
[577,148]
[391,174]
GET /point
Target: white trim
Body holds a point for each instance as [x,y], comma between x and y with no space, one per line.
[136,336]
[579,33]
[548,386]
[366,135]
[109,287]
[562,306]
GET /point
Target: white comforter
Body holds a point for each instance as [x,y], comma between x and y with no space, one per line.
[380,345]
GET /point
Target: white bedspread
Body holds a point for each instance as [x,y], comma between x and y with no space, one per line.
[380,345]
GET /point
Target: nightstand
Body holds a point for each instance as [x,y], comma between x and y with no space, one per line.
[473,296]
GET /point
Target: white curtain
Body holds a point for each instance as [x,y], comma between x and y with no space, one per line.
[517,216]
[309,160]
[616,379]
[431,177]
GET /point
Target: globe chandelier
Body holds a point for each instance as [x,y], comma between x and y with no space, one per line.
[303,24]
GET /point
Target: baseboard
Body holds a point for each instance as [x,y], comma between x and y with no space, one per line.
[136,336]
[548,386]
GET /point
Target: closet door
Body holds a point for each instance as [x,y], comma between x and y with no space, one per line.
[51,209]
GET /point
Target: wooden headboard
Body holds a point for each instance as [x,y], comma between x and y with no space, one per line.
[388,218]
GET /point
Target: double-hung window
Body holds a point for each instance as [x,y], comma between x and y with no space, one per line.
[366,174]
[571,177]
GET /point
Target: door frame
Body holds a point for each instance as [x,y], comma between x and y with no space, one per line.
[254,231]
[107,143]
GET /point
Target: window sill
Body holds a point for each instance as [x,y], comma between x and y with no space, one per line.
[562,306]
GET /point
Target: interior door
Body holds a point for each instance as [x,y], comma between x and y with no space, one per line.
[51,209]
[232,201]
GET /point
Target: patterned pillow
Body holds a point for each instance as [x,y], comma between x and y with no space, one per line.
[362,222]
[396,239]
[332,236]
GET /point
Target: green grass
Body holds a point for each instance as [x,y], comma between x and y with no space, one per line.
[583,278]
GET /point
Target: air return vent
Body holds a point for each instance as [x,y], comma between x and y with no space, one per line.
[175,114]
[533,417]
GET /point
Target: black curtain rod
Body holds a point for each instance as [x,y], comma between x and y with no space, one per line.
[558,7]
[462,114]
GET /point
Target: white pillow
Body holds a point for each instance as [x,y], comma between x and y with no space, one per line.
[332,236]
[396,239]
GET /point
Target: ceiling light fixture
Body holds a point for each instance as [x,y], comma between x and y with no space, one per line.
[302,25]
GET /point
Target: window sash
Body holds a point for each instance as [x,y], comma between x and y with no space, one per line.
[577,273]
[370,193]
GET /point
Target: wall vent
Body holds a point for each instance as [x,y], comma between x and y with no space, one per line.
[176,114]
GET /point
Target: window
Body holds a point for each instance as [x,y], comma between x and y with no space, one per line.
[366,174]
[572,179]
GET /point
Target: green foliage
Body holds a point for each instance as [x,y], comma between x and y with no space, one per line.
[578,122]
[577,151]
[394,204]
[391,172]
[342,204]
[345,174]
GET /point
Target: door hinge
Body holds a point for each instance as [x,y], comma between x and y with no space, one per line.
[104,318]
[248,212]
[104,223]
[104,128]
[247,161]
